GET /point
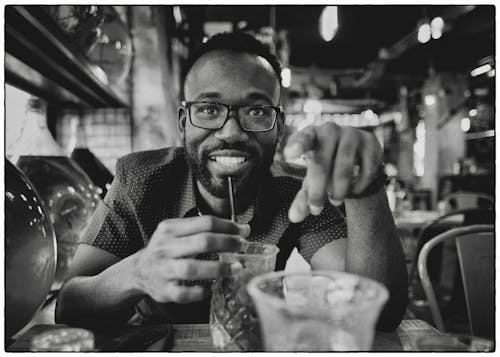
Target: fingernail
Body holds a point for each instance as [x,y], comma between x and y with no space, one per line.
[335,202]
[235,267]
[293,216]
[355,171]
[315,210]
[291,150]
[244,229]
[244,245]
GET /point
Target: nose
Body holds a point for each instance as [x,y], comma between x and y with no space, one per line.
[232,131]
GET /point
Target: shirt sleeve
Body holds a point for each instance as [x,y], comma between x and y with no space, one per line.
[316,231]
[114,226]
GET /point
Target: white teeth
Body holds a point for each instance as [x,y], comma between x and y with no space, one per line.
[229,161]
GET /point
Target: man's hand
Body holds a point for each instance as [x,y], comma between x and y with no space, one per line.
[169,256]
[340,161]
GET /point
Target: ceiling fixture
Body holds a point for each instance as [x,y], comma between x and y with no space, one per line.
[424,33]
[437,26]
[481,70]
[473,112]
[176,11]
[430,100]
[427,30]
[286,77]
[328,23]
[465,124]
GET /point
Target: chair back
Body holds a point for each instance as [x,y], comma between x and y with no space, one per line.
[444,223]
[476,254]
[472,232]
[466,200]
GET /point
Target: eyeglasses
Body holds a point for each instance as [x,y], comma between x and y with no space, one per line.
[213,115]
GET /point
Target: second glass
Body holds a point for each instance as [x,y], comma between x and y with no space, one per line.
[317,311]
[233,320]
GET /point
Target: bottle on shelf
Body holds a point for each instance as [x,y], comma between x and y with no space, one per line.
[92,166]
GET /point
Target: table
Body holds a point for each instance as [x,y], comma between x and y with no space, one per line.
[410,223]
[196,338]
[414,219]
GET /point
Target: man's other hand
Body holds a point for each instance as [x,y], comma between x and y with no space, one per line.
[341,160]
[169,256]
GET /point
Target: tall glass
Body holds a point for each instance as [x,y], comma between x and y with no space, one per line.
[317,311]
[233,319]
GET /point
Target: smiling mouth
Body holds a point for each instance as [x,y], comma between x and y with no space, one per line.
[231,162]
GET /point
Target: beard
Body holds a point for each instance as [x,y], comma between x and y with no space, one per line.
[247,183]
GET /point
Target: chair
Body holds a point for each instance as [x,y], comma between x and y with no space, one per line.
[475,247]
[444,223]
[465,200]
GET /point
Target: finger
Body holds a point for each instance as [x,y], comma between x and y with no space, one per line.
[192,225]
[371,159]
[195,269]
[345,161]
[206,242]
[300,143]
[173,292]
[319,167]
[299,208]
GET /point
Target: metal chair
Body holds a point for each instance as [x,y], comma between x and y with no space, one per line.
[465,200]
[475,247]
[446,222]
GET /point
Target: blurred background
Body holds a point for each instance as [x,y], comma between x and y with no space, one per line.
[87,84]
[420,77]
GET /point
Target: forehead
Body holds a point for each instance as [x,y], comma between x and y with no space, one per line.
[231,76]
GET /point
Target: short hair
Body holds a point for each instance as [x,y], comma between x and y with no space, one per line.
[240,42]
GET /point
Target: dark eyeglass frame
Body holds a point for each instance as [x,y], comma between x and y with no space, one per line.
[229,107]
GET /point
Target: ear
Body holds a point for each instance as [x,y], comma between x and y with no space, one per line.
[182,115]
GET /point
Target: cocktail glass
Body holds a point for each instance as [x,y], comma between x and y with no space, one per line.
[233,320]
[317,311]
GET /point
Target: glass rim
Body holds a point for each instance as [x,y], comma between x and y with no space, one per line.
[278,302]
[273,250]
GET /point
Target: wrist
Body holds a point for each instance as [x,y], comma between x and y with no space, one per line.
[375,186]
[136,281]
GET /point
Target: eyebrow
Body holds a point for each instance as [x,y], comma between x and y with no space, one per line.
[251,96]
[259,96]
[214,95]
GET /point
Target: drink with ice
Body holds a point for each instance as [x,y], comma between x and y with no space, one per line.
[317,311]
[233,319]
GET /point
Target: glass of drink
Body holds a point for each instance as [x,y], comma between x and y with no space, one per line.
[317,310]
[233,319]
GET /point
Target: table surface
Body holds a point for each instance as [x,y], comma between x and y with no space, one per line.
[196,338]
[417,218]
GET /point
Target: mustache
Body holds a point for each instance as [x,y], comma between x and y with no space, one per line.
[227,146]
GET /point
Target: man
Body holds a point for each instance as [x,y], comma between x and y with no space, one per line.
[152,242]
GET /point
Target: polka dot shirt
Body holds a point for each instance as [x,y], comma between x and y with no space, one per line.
[152,186]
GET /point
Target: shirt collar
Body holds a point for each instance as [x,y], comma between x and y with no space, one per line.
[187,202]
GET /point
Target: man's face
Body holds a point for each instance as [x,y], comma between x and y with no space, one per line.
[213,155]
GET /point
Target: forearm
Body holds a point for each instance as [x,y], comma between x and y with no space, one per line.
[374,250]
[106,298]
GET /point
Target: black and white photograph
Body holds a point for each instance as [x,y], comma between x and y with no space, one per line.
[249,177]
